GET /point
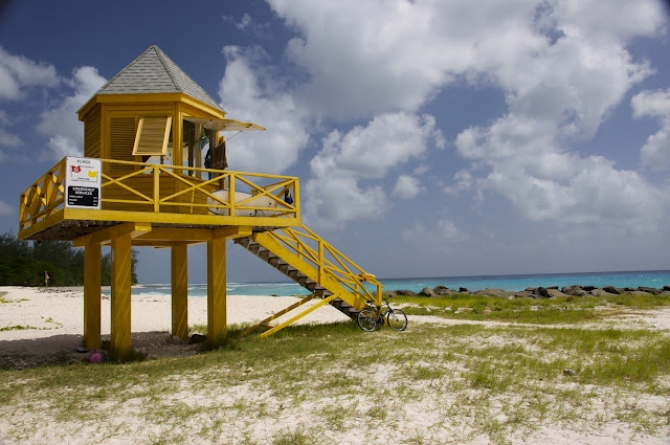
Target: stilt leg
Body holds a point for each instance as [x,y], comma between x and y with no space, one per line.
[216,290]
[180,291]
[121,267]
[92,271]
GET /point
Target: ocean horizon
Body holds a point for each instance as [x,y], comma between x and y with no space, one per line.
[621,279]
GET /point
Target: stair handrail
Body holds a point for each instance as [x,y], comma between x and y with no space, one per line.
[346,272]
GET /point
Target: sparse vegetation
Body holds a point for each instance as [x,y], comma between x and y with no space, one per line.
[434,383]
[527,310]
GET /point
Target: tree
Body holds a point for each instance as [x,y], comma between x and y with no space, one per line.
[24,263]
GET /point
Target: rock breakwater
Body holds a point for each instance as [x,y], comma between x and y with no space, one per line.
[535,292]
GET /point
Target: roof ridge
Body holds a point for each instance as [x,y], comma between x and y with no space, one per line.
[161,58]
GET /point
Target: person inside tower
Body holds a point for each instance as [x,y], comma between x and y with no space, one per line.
[216,156]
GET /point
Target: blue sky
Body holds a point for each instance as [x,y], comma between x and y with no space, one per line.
[431,138]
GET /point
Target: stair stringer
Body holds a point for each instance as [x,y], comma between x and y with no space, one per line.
[321,279]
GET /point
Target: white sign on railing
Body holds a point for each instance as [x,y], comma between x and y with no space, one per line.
[82,182]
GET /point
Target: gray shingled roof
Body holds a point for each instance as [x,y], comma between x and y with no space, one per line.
[154,72]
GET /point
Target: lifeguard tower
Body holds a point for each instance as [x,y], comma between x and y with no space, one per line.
[142,182]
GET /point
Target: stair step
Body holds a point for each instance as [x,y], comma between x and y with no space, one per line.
[244,242]
[295,274]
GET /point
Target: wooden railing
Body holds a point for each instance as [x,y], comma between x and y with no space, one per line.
[329,262]
[42,198]
[158,188]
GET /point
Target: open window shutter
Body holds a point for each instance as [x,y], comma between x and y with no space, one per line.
[153,134]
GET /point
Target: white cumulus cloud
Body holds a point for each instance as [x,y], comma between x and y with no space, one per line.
[562,65]
[407,187]
[18,72]
[656,150]
[247,93]
[341,188]
[61,124]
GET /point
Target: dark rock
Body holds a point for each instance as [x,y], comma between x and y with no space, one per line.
[493,292]
[405,292]
[599,293]
[651,290]
[555,292]
[542,292]
[524,294]
[197,338]
[613,290]
[441,290]
[576,291]
[552,287]
[426,292]
[588,288]
[666,288]
[465,290]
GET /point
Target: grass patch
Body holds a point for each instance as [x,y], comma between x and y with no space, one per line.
[19,328]
[567,310]
[4,300]
[333,380]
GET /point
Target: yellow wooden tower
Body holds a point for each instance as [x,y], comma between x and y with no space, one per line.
[141,182]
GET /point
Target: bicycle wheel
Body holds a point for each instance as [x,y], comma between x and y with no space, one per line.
[367,320]
[396,319]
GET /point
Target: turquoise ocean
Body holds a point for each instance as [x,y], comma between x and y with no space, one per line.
[656,279]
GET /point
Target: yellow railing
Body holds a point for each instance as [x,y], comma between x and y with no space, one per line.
[158,188]
[43,197]
[329,262]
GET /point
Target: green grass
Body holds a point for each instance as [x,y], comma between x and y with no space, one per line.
[570,310]
[18,328]
[329,380]
[3,300]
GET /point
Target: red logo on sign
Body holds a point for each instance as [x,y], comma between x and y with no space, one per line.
[76,169]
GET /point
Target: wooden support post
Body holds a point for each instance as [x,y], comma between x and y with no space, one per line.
[92,280]
[121,255]
[180,291]
[216,290]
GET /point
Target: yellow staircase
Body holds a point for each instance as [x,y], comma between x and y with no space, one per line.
[307,259]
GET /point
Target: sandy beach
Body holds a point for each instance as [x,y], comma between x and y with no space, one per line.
[235,403]
[37,322]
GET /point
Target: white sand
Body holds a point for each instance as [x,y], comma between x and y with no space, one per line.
[54,318]
[54,322]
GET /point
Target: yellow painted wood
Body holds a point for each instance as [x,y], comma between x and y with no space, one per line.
[232,232]
[278,314]
[216,290]
[266,240]
[179,260]
[120,300]
[92,134]
[29,230]
[137,100]
[299,316]
[105,236]
[177,234]
[122,138]
[92,270]
[152,135]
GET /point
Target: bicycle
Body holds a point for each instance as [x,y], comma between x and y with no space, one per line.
[373,317]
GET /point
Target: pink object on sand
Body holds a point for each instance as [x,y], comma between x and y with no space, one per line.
[95,357]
